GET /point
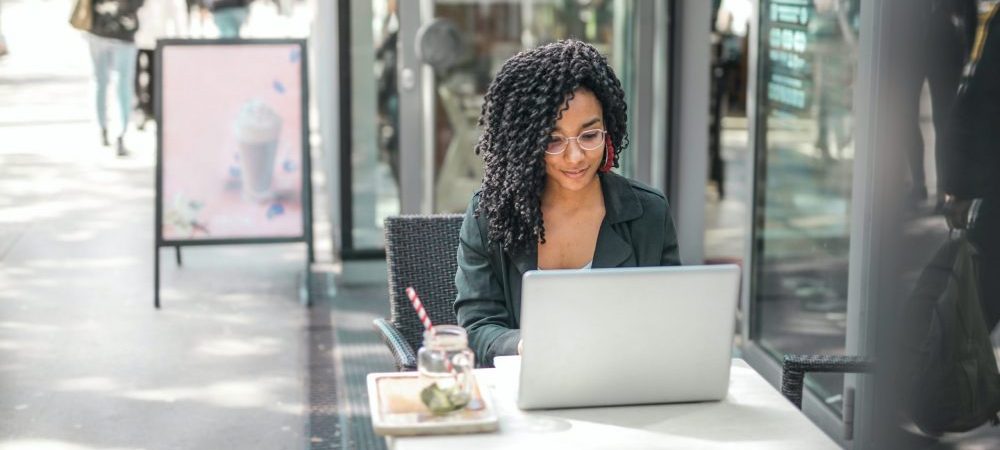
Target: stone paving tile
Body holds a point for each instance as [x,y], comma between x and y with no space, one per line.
[85,360]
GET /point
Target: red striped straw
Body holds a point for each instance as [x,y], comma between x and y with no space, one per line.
[419,307]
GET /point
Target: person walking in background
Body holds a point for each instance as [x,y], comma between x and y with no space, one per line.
[157,19]
[197,16]
[229,16]
[3,42]
[947,41]
[111,38]
[972,140]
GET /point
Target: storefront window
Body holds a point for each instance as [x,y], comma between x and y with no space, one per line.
[805,152]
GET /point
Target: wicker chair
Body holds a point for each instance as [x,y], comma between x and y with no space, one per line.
[795,367]
[420,252]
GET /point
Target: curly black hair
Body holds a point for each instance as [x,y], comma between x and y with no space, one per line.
[521,108]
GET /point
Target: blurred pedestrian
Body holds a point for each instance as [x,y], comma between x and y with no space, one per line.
[948,38]
[197,16]
[158,19]
[955,385]
[111,38]
[161,19]
[973,144]
[387,96]
[3,42]
[835,50]
[229,16]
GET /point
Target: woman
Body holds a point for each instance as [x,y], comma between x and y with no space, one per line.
[111,39]
[553,125]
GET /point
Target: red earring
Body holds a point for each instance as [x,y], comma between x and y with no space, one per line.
[609,158]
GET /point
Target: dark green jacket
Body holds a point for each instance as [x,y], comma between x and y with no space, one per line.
[637,231]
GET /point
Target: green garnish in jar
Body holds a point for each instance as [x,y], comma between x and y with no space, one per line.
[443,401]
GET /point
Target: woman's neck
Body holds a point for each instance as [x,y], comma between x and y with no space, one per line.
[555,196]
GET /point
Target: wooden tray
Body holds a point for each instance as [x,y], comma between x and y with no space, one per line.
[396,409]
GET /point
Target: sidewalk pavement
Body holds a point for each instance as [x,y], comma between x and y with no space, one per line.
[85,360]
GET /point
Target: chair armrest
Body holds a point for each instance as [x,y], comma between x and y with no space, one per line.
[406,358]
[795,367]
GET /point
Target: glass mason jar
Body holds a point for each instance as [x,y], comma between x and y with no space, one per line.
[445,365]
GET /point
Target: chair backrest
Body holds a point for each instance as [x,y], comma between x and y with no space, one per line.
[421,251]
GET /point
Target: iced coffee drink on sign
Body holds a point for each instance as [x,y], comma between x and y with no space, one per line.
[258,128]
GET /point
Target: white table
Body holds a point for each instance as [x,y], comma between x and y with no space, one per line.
[753,416]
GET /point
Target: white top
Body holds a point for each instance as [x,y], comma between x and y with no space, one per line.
[753,416]
[587,267]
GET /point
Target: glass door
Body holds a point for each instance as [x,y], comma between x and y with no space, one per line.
[413,75]
[369,124]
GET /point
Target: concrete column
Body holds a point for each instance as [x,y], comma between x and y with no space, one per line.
[689,142]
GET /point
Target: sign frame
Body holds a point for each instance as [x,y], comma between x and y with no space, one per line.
[306,234]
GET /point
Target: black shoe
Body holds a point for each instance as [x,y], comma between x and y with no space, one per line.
[104,138]
[122,151]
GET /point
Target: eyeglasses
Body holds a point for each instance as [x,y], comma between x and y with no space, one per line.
[588,140]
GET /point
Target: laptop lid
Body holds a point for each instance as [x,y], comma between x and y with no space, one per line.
[626,336]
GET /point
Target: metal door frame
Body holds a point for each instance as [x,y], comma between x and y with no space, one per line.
[860,252]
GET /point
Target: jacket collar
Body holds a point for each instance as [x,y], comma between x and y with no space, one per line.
[620,202]
[620,205]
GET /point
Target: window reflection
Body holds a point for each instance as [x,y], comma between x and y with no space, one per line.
[808,55]
[729,147]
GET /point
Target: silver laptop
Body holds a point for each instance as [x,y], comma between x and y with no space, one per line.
[626,336]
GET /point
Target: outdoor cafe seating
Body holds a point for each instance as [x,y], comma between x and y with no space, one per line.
[421,252]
